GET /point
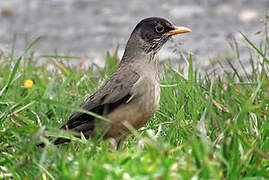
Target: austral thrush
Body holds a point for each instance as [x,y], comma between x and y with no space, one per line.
[131,94]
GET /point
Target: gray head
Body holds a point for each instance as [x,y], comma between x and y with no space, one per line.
[151,34]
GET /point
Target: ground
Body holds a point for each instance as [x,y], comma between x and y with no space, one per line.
[89,28]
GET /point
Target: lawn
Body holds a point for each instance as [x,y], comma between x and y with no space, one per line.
[208,126]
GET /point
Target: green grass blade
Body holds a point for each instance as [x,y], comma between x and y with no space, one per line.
[12,75]
[51,102]
[31,45]
[256,49]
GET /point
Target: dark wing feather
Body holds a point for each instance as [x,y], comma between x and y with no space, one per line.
[116,90]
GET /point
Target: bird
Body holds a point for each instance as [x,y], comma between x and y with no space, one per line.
[131,95]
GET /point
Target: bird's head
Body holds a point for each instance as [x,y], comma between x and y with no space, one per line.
[152,33]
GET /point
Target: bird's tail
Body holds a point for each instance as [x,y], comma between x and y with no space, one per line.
[85,128]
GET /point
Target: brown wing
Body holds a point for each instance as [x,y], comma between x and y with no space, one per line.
[116,90]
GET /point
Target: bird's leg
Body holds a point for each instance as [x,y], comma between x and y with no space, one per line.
[116,142]
[120,141]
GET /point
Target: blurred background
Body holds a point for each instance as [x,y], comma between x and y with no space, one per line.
[90,28]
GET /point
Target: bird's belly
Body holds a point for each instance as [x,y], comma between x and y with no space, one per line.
[135,113]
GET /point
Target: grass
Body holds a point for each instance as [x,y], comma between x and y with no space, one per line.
[208,127]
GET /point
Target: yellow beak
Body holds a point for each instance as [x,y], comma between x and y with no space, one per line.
[179,30]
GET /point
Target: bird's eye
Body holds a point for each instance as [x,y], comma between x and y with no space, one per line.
[159,28]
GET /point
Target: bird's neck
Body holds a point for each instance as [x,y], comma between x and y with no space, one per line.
[136,51]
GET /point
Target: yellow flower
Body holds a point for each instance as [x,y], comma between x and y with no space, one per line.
[28,84]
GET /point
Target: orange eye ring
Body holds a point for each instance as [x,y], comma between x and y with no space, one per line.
[159,28]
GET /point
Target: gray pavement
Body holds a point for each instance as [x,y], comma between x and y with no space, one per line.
[88,28]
